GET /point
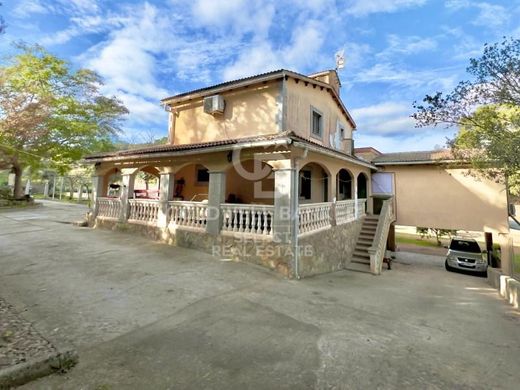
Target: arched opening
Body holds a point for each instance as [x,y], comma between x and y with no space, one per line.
[250,182]
[344,185]
[313,183]
[112,183]
[146,183]
[191,183]
[362,188]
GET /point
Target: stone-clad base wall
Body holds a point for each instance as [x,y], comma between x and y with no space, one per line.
[321,252]
[328,250]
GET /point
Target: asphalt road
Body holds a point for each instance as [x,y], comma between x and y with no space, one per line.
[144,315]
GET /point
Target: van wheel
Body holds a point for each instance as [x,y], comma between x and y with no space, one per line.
[448,268]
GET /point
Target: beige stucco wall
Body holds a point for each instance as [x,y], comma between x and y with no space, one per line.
[252,111]
[300,98]
[433,196]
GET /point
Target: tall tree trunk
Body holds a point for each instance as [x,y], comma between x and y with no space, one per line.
[71,192]
[18,188]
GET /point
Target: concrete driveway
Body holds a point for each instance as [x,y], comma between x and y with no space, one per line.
[145,315]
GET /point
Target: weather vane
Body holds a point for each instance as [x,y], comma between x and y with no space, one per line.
[340,59]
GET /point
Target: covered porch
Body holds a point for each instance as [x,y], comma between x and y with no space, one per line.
[272,198]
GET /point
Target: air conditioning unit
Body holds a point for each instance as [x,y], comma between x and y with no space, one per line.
[214,104]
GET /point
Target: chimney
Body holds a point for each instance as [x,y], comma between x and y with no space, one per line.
[329,77]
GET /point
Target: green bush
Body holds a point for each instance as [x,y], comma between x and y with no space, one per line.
[5,192]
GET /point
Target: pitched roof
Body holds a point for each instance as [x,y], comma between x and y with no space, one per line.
[418,157]
[169,150]
[246,81]
[367,149]
[153,149]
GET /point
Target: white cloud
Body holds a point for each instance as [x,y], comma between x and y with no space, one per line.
[388,73]
[456,4]
[491,16]
[407,45]
[366,7]
[127,62]
[302,51]
[420,139]
[26,8]
[385,118]
[241,16]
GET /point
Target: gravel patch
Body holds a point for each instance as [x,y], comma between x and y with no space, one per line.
[19,341]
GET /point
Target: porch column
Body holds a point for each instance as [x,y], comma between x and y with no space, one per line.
[127,192]
[356,208]
[285,209]
[97,192]
[167,183]
[216,196]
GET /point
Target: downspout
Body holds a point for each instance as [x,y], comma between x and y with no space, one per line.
[296,225]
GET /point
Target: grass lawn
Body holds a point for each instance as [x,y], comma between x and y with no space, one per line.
[415,240]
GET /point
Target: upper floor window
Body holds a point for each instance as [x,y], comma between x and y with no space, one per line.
[316,123]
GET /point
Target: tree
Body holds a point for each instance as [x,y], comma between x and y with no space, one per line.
[2,23]
[51,114]
[486,110]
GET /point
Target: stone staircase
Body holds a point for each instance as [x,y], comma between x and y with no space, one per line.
[361,258]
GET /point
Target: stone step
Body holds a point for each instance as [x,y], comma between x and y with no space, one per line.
[360,253]
[369,227]
[358,267]
[366,236]
[370,224]
[365,241]
[372,218]
[362,247]
[370,233]
[361,260]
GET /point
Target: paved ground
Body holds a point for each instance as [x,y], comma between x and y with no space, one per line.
[145,315]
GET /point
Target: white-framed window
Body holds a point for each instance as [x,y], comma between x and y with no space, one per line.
[316,123]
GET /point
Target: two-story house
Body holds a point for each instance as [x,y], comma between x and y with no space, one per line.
[259,169]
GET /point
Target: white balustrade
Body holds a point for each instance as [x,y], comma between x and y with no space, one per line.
[143,211]
[378,248]
[108,208]
[188,214]
[314,217]
[345,211]
[361,205]
[247,218]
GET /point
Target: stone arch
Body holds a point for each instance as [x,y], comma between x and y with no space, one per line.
[313,183]
[250,181]
[344,184]
[362,186]
[191,182]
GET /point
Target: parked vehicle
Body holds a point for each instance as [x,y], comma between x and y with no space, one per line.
[465,254]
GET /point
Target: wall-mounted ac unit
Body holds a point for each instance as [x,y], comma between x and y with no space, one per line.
[214,104]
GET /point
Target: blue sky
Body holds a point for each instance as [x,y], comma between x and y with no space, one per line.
[396,50]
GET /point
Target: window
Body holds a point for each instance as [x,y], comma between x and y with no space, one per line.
[316,123]
[305,184]
[470,246]
[202,175]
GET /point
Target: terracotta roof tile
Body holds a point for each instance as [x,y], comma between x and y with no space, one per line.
[428,156]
